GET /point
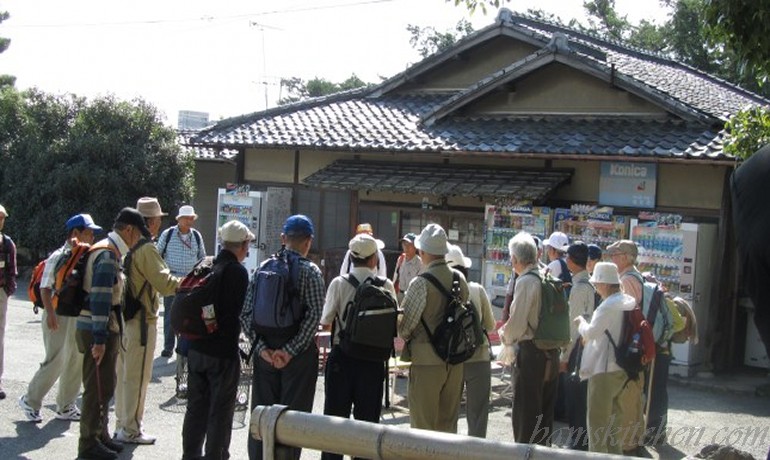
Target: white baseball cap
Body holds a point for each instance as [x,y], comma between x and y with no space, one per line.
[235,231]
[432,240]
[558,241]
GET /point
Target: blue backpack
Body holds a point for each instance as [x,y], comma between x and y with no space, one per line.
[656,310]
[276,311]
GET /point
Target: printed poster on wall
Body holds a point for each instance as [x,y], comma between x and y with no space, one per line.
[631,185]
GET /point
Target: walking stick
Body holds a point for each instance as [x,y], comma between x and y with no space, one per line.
[649,394]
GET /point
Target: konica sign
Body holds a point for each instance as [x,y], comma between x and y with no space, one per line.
[628,184]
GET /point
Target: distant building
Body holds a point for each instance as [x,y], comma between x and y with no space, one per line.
[189,119]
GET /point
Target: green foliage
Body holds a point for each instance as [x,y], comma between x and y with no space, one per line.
[471,5]
[298,89]
[427,40]
[744,27]
[63,155]
[5,80]
[749,131]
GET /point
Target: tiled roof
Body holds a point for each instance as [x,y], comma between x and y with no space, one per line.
[440,179]
[693,87]
[392,123]
[200,152]
[381,119]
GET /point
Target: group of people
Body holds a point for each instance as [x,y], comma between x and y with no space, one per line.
[603,403]
[111,355]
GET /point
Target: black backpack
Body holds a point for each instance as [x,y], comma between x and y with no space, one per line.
[192,313]
[370,321]
[459,334]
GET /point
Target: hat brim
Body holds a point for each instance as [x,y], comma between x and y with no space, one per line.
[194,216]
[380,244]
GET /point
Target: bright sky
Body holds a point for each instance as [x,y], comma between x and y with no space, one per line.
[227,57]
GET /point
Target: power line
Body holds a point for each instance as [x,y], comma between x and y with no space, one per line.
[203,18]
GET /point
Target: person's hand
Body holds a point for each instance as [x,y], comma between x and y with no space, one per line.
[578,320]
[281,358]
[52,322]
[267,355]
[562,367]
[97,351]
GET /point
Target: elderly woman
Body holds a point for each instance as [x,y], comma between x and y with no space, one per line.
[606,380]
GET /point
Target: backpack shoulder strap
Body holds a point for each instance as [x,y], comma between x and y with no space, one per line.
[434,281]
[167,240]
[352,280]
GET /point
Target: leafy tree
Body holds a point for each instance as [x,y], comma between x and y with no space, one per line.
[749,131]
[62,155]
[744,28]
[481,4]
[5,80]
[427,40]
[298,89]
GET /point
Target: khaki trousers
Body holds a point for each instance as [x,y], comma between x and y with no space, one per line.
[434,396]
[604,412]
[62,362]
[632,420]
[134,374]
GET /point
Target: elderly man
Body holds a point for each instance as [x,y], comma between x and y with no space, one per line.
[623,253]
[536,371]
[181,246]
[214,361]
[435,387]
[7,284]
[147,278]
[62,361]
[408,265]
[98,332]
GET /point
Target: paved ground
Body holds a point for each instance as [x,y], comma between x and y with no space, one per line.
[699,415]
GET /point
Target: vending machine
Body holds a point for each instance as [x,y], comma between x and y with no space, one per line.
[590,224]
[678,254]
[238,202]
[501,223]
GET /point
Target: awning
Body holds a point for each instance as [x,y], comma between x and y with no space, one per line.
[534,184]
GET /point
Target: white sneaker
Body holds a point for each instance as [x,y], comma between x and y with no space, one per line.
[71,412]
[140,438]
[31,414]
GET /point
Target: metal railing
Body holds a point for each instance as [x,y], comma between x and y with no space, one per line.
[275,425]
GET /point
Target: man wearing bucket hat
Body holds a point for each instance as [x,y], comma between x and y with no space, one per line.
[408,265]
[147,279]
[215,361]
[435,387]
[606,380]
[382,269]
[477,373]
[62,361]
[7,284]
[181,246]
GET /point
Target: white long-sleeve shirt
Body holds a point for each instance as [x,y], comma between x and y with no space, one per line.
[598,354]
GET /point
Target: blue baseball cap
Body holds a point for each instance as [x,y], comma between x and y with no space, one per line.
[298,225]
[594,252]
[82,220]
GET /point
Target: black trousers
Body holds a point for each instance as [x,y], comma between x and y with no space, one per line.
[534,396]
[576,395]
[211,387]
[352,385]
[292,386]
[657,420]
[98,389]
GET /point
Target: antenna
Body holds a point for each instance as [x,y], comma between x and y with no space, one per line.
[262,28]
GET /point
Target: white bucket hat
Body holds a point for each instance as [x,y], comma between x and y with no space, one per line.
[456,258]
[432,240]
[187,211]
[605,272]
